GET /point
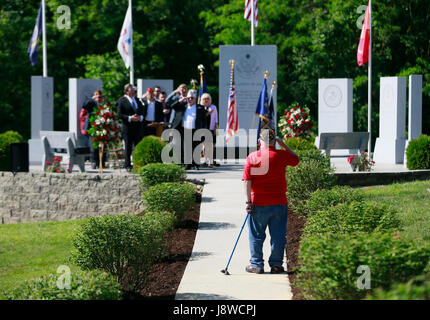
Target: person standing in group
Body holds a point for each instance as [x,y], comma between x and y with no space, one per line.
[166,109]
[152,113]
[179,94]
[212,122]
[87,108]
[189,117]
[267,204]
[157,91]
[130,111]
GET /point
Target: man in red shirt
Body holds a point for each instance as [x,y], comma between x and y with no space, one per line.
[265,189]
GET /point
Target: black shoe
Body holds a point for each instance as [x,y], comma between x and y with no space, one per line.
[252,269]
[188,167]
[276,269]
[216,164]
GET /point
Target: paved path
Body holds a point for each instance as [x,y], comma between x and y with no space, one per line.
[222,214]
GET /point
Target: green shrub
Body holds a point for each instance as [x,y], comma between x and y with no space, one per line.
[418,153]
[311,174]
[173,197]
[156,173]
[148,150]
[125,246]
[326,198]
[330,261]
[357,216]
[94,285]
[6,139]
[300,144]
[418,288]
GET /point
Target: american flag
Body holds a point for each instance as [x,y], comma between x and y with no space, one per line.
[232,117]
[247,13]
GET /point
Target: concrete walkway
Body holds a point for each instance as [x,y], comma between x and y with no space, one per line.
[222,214]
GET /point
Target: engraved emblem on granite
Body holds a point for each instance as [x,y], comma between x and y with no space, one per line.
[248,65]
[332,96]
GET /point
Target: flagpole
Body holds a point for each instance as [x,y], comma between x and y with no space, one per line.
[45,58]
[369,94]
[252,22]
[131,51]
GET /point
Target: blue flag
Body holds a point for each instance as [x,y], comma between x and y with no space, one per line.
[203,87]
[35,38]
[262,110]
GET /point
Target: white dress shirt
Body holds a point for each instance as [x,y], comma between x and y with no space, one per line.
[150,112]
[189,118]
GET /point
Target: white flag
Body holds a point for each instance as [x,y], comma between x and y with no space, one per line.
[125,42]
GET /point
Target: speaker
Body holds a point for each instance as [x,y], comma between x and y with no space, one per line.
[19,157]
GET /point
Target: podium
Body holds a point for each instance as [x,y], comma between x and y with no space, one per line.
[159,127]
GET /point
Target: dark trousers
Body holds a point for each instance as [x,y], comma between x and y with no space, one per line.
[185,154]
[131,139]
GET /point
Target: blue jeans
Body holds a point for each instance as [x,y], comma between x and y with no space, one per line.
[274,217]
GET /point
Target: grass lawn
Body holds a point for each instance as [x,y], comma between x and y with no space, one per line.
[30,250]
[412,200]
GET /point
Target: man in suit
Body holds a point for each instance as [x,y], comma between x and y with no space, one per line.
[189,117]
[130,111]
[152,112]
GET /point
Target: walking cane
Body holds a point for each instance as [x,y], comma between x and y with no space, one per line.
[225,271]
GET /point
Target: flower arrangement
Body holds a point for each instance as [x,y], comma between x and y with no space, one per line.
[361,162]
[105,128]
[296,122]
[56,166]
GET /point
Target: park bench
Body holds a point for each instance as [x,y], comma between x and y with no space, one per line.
[60,143]
[343,140]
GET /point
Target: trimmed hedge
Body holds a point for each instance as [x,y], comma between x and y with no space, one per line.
[324,199]
[148,150]
[352,217]
[156,173]
[6,139]
[330,261]
[418,288]
[174,197]
[418,153]
[94,285]
[300,144]
[311,174]
[125,246]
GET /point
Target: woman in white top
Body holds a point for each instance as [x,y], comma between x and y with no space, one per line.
[206,101]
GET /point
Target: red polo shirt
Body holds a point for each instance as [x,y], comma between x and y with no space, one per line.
[265,169]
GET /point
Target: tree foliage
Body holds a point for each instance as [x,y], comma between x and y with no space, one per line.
[315,39]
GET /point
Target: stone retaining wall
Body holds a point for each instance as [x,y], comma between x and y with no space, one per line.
[31,197]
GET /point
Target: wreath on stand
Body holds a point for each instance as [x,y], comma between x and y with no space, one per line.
[104,131]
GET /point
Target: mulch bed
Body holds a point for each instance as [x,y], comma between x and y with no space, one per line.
[166,275]
[294,233]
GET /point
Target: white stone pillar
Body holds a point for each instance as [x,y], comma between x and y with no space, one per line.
[415,118]
[335,107]
[390,146]
[79,91]
[42,114]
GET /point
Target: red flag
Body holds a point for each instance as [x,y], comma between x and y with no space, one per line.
[363,46]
